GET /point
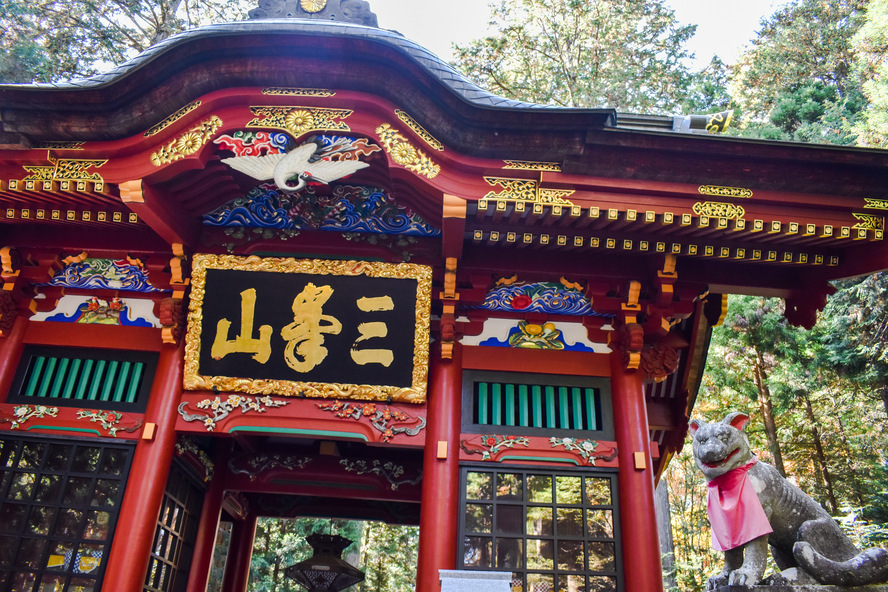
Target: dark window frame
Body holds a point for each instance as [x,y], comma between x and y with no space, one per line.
[600,384]
[176,530]
[523,571]
[58,507]
[32,352]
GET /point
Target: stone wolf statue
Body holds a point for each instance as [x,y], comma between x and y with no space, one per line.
[751,506]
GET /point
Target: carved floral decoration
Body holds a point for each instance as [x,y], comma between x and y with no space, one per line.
[109,421]
[381,417]
[659,361]
[217,409]
[186,445]
[23,413]
[585,449]
[388,470]
[492,445]
[258,464]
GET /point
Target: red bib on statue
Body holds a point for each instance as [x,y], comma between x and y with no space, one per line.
[735,512]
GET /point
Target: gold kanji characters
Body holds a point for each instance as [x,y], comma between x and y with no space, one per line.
[244,342]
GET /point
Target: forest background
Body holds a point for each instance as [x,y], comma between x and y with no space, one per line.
[816,71]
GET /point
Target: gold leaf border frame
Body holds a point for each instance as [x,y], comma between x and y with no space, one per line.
[416,393]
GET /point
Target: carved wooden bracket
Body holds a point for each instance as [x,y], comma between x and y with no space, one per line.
[448,315]
[659,361]
[172,317]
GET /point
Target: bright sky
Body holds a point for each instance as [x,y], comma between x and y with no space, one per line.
[723,26]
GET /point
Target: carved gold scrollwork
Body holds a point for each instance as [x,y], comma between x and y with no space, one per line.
[868,222]
[300,120]
[187,143]
[404,154]
[419,130]
[172,118]
[59,146]
[875,204]
[527,190]
[527,165]
[715,209]
[66,169]
[719,191]
[297,92]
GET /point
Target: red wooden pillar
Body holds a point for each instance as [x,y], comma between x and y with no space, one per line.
[11,347]
[237,568]
[439,513]
[641,548]
[131,547]
[205,543]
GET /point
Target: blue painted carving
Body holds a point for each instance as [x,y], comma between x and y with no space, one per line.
[349,208]
[547,297]
[103,274]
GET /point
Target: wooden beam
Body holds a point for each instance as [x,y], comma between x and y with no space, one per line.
[160,212]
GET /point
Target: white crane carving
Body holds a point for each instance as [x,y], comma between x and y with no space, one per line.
[308,162]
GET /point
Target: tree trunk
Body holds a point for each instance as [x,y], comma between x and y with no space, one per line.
[819,455]
[883,394]
[664,529]
[767,411]
[855,480]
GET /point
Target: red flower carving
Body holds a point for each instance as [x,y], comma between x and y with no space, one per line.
[490,441]
[521,301]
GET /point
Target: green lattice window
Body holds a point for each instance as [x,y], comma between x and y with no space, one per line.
[111,379]
[538,403]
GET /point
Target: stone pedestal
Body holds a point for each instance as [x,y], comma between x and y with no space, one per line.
[454,580]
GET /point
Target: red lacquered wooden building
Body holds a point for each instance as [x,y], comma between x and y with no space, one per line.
[304,268]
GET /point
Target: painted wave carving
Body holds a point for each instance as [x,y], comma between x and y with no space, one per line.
[547,297]
[348,208]
[103,274]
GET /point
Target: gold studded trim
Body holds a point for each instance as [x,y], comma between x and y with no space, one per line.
[757,255]
[405,154]
[526,190]
[719,191]
[172,118]
[70,215]
[300,120]
[297,92]
[715,209]
[528,165]
[187,143]
[419,130]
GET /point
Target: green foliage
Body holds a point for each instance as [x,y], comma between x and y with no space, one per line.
[803,42]
[279,543]
[52,40]
[626,54]
[386,553]
[871,67]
